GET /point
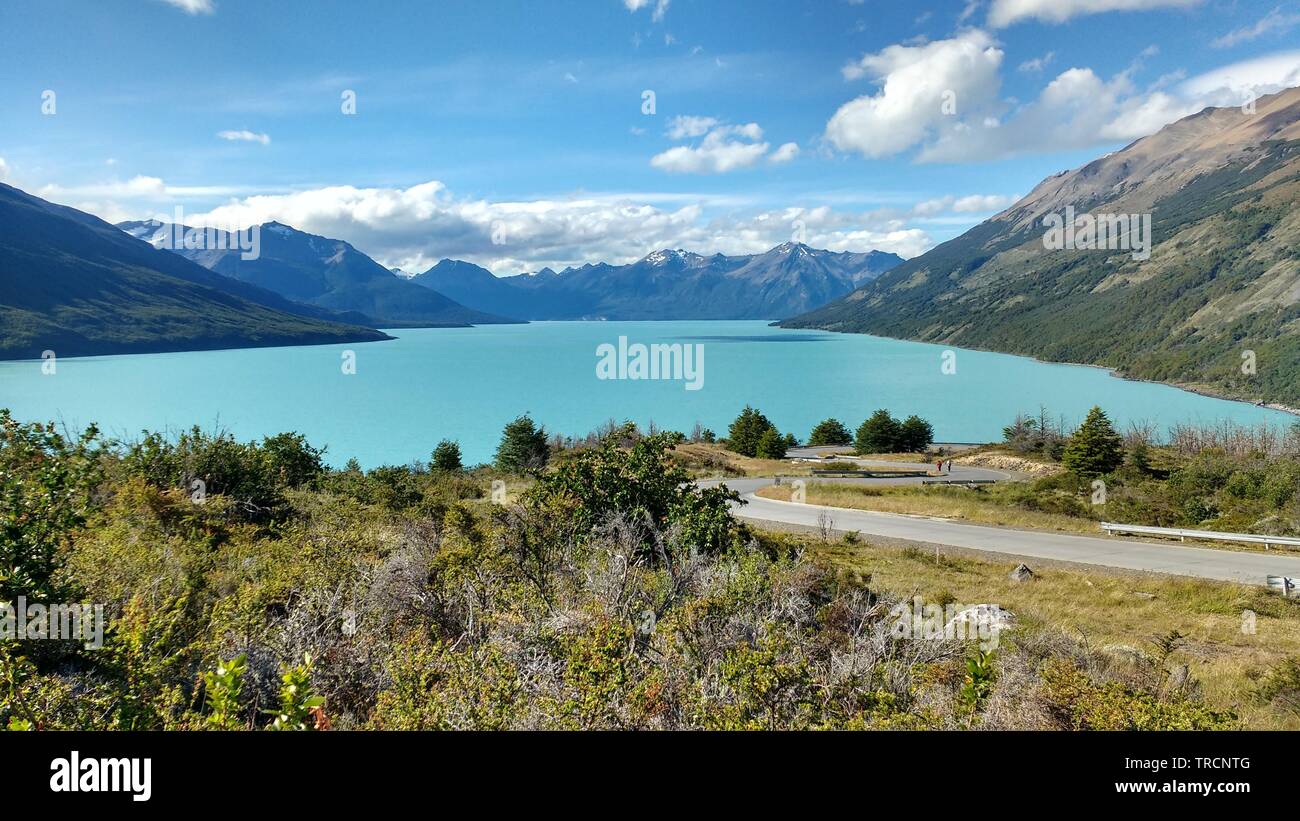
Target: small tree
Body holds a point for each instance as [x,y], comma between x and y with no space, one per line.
[829,432]
[771,445]
[446,457]
[744,434]
[1095,448]
[523,446]
[879,434]
[915,435]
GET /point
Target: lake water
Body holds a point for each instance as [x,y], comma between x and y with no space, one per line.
[466,384]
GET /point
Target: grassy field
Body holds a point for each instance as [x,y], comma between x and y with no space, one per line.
[1124,614]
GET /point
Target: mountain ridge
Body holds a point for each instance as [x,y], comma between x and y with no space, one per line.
[1222,284]
[666,284]
[76,285]
[322,271]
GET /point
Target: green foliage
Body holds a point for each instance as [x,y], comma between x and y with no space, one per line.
[829,432]
[46,487]
[771,445]
[747,432]
[878,434]
[300,708]
[222,688]
[446,457]
[977,685]
[254,477]
[641,484]
[1082,704]
[523,447]
[915,435]
[1095,449]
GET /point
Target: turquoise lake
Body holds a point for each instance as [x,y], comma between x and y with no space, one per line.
[466,384]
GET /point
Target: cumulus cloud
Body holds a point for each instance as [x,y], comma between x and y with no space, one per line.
[193,6]
[724,148]
[921,87]
[785,153]
[1006,12]
[685,126]
[245,136]
[942,101]
[412,228]
[1038,63]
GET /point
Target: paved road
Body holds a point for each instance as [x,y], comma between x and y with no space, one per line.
[1200,562]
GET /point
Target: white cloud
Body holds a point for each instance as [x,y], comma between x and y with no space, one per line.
[4,170]
[920,87]
[1077,109]
[785,153]
[685,126]
[660,7]
[1038,63]
[1006,12]
[245,136]
[724,147]
[193,6]
[970,204]
[1228,84]
[411,228]
[1274,21]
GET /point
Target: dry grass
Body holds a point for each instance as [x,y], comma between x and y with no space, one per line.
[1112,610]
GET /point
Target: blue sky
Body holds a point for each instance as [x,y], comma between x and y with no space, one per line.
[513,133]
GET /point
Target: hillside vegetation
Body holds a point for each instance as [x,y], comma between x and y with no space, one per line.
[598,590]
[1216,307]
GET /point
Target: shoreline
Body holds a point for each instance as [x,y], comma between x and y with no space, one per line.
[1109,369]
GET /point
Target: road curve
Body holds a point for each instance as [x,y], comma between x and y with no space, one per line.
[1198,562]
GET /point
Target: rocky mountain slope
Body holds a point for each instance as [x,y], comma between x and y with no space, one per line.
[1216,306]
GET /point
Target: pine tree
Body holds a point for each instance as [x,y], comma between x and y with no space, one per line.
[523,446]
[1095,448]
[829,432]
[915,435]
[771,445]
[446,457]
[746,431]
[879,434]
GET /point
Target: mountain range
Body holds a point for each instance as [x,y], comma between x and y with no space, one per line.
[1216,306]
[668,284]
[75,285]
[315,270]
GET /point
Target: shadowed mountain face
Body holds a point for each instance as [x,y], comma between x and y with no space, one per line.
[667,285]
[326,272]
[1217,304]
[73,284]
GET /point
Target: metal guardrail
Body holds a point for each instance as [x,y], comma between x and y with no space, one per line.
[959,481]
[1207,535]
